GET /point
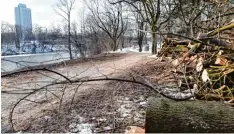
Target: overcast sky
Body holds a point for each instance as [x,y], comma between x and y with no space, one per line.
[42,11]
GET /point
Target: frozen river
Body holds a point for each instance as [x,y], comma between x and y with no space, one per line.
[14,62]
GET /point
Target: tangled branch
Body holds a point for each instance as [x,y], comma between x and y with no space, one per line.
[79,80]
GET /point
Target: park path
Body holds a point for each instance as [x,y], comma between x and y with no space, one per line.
[111,67]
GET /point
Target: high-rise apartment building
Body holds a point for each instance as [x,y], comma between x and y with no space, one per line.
[23,19]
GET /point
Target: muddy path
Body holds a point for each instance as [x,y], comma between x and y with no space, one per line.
[112,65]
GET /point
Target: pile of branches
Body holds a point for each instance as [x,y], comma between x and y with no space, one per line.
[204,65]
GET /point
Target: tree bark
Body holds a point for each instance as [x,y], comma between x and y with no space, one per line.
[166,116]
[140,48]
[115,47]
[140,39]
[154,43]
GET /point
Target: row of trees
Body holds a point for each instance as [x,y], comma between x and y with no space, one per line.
[109,24]
[183,18]
[103,27]
[11,34]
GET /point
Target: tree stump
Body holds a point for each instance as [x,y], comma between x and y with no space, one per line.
[167,116]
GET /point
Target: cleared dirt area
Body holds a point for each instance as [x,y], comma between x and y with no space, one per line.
[103,106]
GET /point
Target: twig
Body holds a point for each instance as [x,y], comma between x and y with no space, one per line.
[61,99]
[85,81]
[73,97]
[32,70]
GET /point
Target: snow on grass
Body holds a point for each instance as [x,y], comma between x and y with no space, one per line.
[81,128]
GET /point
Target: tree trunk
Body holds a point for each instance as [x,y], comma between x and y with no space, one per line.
[140,35]
[115,47]
[122,42]
[140,39]
[154,43]
[69,37]
[140,48]
[166,116]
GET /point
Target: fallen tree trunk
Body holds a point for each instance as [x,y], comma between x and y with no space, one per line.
[165,116]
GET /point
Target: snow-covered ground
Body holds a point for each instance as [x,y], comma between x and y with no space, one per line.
[27,48]
[132,49]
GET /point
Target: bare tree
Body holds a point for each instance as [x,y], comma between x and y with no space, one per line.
[54,33]
[17,36]
[95,35]
[76,40]
[214,14]
[153,13]
[10,34]
[140,25]
[109,18]
[192,17]
[41,34]
[63,9]
[150,12]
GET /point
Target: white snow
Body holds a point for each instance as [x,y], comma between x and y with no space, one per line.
[131,50]
[153,56]
[81,128]
[143,103]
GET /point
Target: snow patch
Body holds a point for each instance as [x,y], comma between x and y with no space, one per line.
[153,56]
[81,128]
[132,109]
[132,49]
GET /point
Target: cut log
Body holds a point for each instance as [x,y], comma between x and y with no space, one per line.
[218,76]
[208,75]
[175,62]
[134,130]
[221,61]
[166,116]
[205,76]
[199,66]
[215,65]
[203,64]
[192,50]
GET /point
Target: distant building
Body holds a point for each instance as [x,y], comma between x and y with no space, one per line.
[23,19]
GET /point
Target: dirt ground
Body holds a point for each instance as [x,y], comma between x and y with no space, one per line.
[97,106]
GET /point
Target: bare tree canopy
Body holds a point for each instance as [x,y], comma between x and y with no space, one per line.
[64,9]
[110,19]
